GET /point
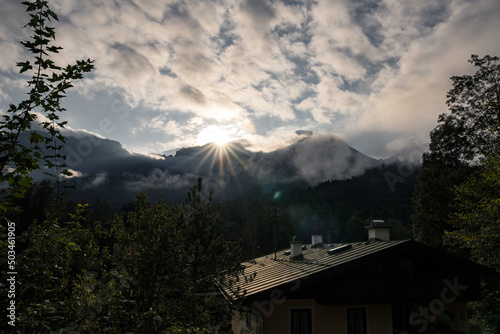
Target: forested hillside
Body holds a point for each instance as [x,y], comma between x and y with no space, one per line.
[338,209]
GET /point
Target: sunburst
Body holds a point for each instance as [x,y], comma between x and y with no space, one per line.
[221,156]
[214,134]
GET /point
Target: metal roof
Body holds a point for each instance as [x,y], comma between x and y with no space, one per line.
[270,273]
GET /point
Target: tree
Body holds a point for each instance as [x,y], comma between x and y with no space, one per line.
[456,198]
[209,254]
[167,261]
[433,198]
[355,229]
[54,282]
[476,220]
[52,285]
[477,214]
[474,103]
[47,86]
[460,139]
[33,207]
[146,285]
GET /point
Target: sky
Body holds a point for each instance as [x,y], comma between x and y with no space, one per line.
[172,74]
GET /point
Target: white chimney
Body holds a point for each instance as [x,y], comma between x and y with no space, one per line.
[378,231]
[296,249]
[316,239]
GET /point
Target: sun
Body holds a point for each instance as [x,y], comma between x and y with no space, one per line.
[214,134]
[222,138]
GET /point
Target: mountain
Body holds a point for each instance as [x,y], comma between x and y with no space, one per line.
[103,168]
[314,159]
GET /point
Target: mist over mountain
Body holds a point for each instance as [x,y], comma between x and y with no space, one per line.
[104,168]
[313,159]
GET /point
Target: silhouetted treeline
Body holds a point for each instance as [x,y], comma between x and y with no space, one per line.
[338,209]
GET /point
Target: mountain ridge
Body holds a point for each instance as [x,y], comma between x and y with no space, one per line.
[104,168]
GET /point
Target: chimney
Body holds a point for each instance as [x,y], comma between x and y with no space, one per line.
[316,239]
[378,231]
[296,249]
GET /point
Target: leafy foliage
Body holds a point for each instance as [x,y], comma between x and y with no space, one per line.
[467,132]
[166,261]
[477,222]
[456,199]
[158,274]
[47,86]
[477,214]
[148,275]
[54,282]
[433,198]
[459,140]
[209,254]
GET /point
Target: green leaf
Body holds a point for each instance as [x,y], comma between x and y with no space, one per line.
[53,15]
[25,66]
[72,247]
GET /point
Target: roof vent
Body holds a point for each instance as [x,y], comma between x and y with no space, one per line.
[339,249]
[296,249]
[378,231]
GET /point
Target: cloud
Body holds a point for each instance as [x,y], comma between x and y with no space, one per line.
[412,97]
[74,174]
[99,179]
[304,133]
[129,63]
[344,67]
[312,158]
[152,8]
[158,179]
[254,22]
[323,157]
[193,94]
[162,123]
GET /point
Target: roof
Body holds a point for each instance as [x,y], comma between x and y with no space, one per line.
[270,273]
[323,259]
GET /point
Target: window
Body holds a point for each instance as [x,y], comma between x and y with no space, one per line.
[301,321]
[356,321]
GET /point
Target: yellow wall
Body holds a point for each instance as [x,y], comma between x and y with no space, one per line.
[327,319]
[379,318]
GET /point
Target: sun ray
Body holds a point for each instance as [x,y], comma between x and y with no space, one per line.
[221,159]
[223,164]
[214,134]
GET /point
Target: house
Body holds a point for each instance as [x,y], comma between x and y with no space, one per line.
[374,287]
